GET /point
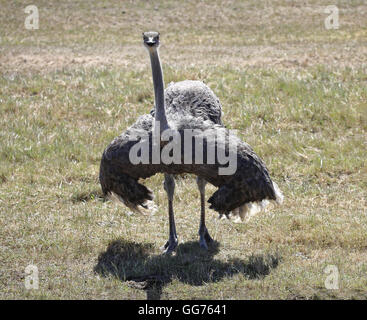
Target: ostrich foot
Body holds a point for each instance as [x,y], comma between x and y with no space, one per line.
[170,246]
[205,238]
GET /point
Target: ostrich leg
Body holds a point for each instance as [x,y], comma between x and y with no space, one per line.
[169,186]
[205,238]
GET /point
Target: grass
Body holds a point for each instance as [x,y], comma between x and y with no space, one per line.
[294,91]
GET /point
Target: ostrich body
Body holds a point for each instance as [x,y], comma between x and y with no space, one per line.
[193,99]
[184,105]
[182,99]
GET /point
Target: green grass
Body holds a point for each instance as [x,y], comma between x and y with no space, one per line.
[291,89]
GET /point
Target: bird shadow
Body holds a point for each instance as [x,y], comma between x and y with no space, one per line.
[133,263]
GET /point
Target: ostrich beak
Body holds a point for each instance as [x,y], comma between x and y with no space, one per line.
[150,42]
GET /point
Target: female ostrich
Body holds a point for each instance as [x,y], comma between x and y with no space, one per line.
[181,98]
[189,105]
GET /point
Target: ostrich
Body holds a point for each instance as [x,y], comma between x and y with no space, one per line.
[184,105]
[180,98]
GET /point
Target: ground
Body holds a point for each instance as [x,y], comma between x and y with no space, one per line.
[295,91]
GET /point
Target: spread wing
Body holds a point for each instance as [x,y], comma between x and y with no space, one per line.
[249,182]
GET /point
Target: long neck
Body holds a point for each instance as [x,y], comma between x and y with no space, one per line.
[160,112]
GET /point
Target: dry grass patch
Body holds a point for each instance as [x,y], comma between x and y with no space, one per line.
[294,91]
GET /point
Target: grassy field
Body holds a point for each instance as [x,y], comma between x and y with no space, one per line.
[294,90]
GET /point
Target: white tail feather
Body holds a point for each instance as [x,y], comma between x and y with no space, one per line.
[278,194]
[150,208]
[248,210]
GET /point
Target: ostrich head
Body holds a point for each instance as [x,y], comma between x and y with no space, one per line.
[151,40]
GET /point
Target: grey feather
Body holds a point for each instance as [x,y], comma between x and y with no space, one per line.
[250,182]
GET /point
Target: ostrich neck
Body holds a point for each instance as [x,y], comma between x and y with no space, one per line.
[160,112]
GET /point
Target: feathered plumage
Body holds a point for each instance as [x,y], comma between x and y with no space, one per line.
[250,182]
[185,105]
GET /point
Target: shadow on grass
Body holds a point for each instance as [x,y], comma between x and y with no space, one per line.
[133,263]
